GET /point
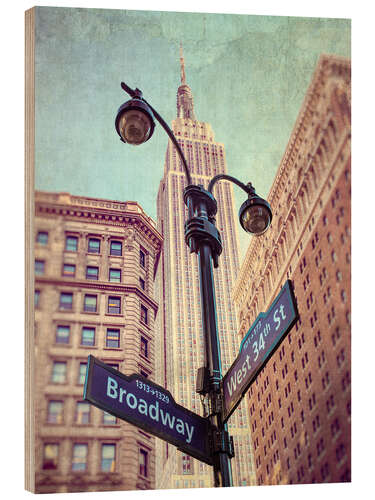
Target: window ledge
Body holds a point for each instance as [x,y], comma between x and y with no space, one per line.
[145,358]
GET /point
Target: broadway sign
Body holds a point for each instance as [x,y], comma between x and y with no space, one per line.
[148,406]
[257,347]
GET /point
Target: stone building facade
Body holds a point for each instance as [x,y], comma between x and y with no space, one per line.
[300,404]
[95,262]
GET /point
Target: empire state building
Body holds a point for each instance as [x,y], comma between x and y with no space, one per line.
[181,343]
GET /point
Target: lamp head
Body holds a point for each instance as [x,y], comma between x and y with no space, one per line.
[135,122]
[255,214]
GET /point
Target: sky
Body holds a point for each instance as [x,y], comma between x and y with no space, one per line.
[248,75]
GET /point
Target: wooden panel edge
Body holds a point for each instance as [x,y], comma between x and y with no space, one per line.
[29,411]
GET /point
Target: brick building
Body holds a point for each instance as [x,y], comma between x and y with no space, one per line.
[95,262]
[300,404]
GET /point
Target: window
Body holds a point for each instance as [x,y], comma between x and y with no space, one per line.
[66,300]
[116,248]
[82,412]
[108,457]
[42,237]
[79,461]
[62,334]
[88,336]
[108,419]
[71,243]
[114,305]
[142,283]
[113,338]
[325,380]
[335,427]
[143,462]
[325,471]
[50,456]
[58,372]
[186,464]
[144,314]
[142,259]
[36,298]
[330,403]
[93,245]
[69,270]
[115,275]
[144,347]
[55,412]
[92,273]
[39,267]
[90,303]
[82,373]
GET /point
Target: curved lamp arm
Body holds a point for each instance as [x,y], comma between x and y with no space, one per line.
[247,188]
[138,94]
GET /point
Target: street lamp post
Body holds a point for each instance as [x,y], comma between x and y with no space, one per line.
[135,125]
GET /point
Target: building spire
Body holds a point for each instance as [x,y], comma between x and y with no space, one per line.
[185,107]
[182,63]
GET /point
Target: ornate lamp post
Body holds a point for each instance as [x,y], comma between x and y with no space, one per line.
[135,125]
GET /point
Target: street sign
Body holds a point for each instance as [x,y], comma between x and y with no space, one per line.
[148,406]
[257,347]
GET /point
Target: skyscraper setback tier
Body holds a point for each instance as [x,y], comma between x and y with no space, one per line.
[181,342]
[300,405]
[95,262]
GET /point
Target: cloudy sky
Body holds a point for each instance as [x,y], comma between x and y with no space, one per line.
[248,75]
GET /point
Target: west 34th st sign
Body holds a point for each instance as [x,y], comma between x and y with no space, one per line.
[148,406]
[257,347]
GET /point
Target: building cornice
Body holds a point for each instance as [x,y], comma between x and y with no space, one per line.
[99,286]
[99,211]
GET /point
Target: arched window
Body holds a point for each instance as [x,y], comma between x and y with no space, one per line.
[288,240]
[319,159]
[279,225]
[332,131]
[302,204]
[317,132]
[252,291]
[291,225]
[312,175]
[242,316]
[299,176]
[282,249]
[277,261]
[307,192]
